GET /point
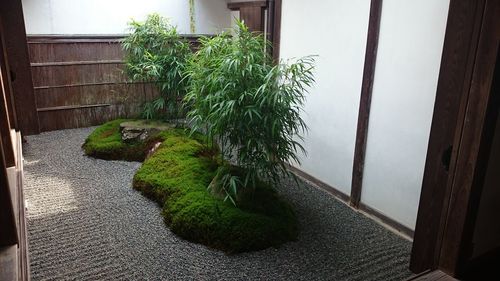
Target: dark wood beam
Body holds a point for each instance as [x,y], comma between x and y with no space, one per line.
[14,35]
[8,229]
[460,45]
[276,28]
[5,76]
[477,128]
[236,6]
[365,102]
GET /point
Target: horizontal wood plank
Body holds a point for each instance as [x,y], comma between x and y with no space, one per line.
[69,63]
[80,81]
[67,107]
[238,5]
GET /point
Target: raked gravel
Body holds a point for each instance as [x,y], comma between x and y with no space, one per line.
[85,222]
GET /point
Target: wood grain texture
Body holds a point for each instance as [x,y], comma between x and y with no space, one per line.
[14,33]
[460,44]
[253,17]
[473,148]
[6,106]
[79,81]
[8,231]
[435,275]
[365,102]
[276,29]
[238,5]
[5,77]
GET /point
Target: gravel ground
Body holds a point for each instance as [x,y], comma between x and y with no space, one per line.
[85,222]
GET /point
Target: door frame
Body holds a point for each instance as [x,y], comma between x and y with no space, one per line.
[450,189]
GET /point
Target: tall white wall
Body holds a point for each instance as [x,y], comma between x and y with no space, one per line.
[336,31]
[111,16]
[408,60]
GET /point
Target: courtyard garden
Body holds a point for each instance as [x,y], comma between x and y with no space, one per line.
[217,140]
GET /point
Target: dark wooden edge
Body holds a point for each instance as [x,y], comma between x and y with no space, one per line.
[69,63]
[474,147]
[92,38]
[457,60]
[435,275]
[24,271]
[70,107]
[276,29]
[89,85]
[238,5]
[320,184]
[372,213]
[365,102]
[5,105]
[406,231]
[14,33]
[6,76]
[8,233]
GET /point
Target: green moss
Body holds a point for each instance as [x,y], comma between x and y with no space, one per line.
[177,175]
[106,143]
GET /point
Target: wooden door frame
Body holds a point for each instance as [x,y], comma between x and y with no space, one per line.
[450,190]
[14,35]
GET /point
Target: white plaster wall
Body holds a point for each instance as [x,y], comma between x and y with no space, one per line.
[335,30]
[404,90]
[111,16]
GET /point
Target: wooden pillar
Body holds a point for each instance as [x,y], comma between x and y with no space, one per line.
[14,36]
[274,26]
[365,102]
[5,76]
[5,106]
[451,184]
[8,230]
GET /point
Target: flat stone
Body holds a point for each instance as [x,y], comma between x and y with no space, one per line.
[140,130]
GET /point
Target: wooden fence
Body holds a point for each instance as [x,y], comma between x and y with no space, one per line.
[79,81]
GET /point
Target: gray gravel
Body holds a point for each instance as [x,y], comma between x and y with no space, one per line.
[85,222]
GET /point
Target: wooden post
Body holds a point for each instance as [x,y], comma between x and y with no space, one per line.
[14,35]
[450,188]
[365,102]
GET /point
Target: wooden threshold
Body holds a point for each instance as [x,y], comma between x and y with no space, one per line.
[436,275]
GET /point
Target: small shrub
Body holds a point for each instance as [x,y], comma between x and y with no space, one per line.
[250,105]
[156,53]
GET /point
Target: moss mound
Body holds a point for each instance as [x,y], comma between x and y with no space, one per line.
[106,143]
[177,175]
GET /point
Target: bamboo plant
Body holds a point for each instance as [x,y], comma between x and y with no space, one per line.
[250,105]
[155,52]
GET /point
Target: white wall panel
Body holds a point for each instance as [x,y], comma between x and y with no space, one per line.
[336,32]
[111,16]
[408,60]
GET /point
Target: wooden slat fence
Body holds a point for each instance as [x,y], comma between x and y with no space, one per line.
[79,81]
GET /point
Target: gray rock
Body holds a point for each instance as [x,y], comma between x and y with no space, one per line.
[136,131]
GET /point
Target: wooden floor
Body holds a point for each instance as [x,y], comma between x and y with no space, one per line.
[433,276]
